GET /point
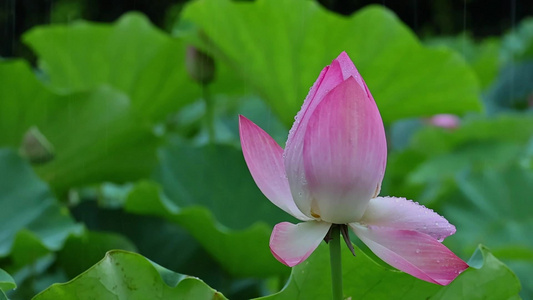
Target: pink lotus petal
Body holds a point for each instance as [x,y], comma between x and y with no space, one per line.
[293,150]
[264,158]
[413,252]
[331,76]
[400,213]
[349,70]
[344,153]
[292,244]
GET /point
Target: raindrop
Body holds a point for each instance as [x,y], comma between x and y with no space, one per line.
[297,119]
[417,251]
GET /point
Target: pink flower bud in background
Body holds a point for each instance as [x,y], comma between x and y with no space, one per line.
[445,121]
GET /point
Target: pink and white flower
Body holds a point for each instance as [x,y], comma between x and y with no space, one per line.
[330,173]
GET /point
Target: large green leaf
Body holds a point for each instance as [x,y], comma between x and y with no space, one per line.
[279,47]
[81,252]
[476,156]
[517,45]
[155,238]
[512,90]
[214,176]
[240,252]
[6,283]
[428,166]
[484,57]
[28,204]
[24,101]
[434,141]
[473,172]
[97,137]
[478,143]
[33,223]
[499,198]
[131,55]
[126,275]
[94,135]
[488,278]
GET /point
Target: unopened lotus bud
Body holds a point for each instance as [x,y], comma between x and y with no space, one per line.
[200,66]
[35,147]
[329,176]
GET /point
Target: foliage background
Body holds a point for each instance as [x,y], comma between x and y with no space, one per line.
[106,142]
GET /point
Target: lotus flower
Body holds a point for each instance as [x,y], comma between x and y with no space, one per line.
[330,173]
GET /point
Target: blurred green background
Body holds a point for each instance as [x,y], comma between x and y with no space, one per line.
[118,130]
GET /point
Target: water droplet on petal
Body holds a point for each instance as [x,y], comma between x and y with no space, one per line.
[417,251]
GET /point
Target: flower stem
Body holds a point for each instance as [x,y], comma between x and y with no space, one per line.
[335,260]
[209,114]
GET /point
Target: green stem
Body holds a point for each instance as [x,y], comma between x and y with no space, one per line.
[335,259]
[209,114]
